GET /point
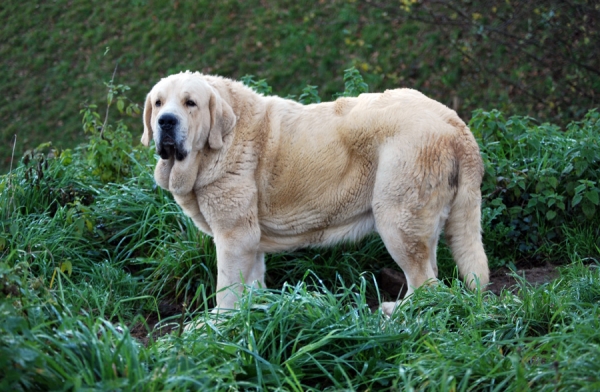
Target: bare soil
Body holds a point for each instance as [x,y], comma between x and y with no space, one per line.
[504,278]
[392,281]
[153,328]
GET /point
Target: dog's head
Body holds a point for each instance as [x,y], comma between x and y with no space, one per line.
[183,113]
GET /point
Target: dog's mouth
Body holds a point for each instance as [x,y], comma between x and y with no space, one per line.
[167,148]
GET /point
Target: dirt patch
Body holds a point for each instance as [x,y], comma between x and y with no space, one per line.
[153,328]
[393,281]
[504,277]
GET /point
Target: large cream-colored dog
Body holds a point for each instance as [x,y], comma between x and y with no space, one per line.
[266,174]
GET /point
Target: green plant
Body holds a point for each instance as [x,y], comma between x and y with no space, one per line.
[354,84]
[109,145]
[260,86]
[310,94]
[537,177]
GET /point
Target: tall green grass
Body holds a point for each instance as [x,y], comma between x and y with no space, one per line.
[86,258]
[308,337]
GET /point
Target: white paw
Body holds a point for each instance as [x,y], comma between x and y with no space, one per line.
[389,307]
[193,325]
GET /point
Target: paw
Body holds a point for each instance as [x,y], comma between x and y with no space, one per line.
[389,307]
[193,325]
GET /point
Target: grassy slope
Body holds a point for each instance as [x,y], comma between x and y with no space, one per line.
[56,56]
[78,256]
[82,262]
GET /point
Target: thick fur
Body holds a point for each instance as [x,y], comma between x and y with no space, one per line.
[266,174]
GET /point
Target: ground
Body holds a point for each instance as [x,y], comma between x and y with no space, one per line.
[393,282]
[390,281]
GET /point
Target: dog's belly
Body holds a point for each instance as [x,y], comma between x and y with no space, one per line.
[280,234]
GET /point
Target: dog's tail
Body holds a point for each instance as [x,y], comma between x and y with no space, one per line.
[463,227]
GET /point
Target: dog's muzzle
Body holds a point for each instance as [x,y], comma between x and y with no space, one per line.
[167,145]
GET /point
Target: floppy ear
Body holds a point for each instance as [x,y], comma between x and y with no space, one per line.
[222,120]
[147,136]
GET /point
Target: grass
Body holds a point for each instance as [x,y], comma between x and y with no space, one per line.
[314,330]
[308,337]
[88,260]
[57,54]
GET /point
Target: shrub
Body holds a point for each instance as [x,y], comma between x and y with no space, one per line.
[110,155]
[537,179]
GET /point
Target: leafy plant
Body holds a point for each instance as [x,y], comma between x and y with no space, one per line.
[354,84]
[537,177]
[109,145]
[310,94]
[260,86]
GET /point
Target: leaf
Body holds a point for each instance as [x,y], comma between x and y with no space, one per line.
[588,209]
[497,202]
[120,105]
[580,167]
[550,215]
[14,228]
[568,169]
[592,196]
[66,266]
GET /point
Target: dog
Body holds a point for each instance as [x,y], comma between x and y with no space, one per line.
[266,174]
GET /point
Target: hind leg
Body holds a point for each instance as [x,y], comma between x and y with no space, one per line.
[412,243]
[257,274]
[411,203]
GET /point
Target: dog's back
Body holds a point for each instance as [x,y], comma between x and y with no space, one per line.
[398,163]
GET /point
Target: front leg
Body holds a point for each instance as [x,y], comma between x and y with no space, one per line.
[238,262]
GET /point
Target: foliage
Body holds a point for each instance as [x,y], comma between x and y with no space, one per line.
[260,86]
[354,85]
[538,55]
[309,95]
[301,337]
[108,146]
[85,260]
[527,58]
[538,178]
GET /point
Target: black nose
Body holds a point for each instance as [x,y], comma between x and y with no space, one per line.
[167,122]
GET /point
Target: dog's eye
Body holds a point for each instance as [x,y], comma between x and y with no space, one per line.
[190,103]
[158,103]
